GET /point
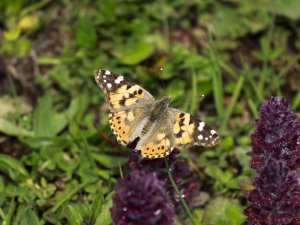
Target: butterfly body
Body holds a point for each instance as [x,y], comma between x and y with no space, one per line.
[160,109]
[135,114]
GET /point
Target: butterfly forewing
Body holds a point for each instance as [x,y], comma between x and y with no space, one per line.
[120,92]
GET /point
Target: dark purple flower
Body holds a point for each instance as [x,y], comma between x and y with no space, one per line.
[157,166]
[277,135]
[276,197]
[141,199]
[181,173]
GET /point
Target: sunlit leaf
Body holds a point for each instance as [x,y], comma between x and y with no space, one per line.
[43,124]
[104,217]
[73,215]
[137,54]
[13,168]
[12,34]
[29,217]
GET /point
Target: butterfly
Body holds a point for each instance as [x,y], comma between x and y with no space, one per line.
[136,115]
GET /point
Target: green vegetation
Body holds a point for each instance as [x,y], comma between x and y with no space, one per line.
[58,158]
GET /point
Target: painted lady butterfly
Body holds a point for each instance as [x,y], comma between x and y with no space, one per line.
[136,115]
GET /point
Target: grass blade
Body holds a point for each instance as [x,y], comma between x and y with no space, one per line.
[233,102]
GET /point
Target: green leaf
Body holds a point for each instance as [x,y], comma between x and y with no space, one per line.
[233,216]
[104,217]
[72,189]
[229,109]
[12,105]
[12,34]
[73,215]
[288,8]
[227,142]
[236,22]
[43,120]
[137,53]
[176,88]
[12,129]
[18,48]
[29,217]
[55,142]
[13,168]
[217,80]
[217,210]
[61,76]
[108,10]
[296,101]
[97,206]
[9,214]
[85,33]
[51,217]
[215,172]
[61,120]
[110,161]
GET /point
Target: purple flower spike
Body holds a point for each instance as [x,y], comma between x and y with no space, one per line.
[140,199]
[277,135]
[181,173]
[276,199]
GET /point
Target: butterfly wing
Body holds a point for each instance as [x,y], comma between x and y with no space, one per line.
[159,141]
[124,124]
[128,103]
[190,131]
[121,93]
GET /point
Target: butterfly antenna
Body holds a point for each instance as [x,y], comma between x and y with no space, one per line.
[162,78]
[201,97]
[195,96]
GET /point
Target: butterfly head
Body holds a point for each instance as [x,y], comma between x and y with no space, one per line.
[166,100]
[163,103]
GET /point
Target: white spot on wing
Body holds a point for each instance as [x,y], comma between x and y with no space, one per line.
[206,139]
[213,132]
[109,85]
[107,72]
[119,79]
[201,126]
[200,137]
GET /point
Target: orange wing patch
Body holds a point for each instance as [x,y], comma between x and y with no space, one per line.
[119,127]
[120,92]
[156,147]
[183,129]
[126,95]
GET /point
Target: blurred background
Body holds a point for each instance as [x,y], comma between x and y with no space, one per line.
[56,147]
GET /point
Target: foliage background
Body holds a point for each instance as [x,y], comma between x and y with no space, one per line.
[57,160]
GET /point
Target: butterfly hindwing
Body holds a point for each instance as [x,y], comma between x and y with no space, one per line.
[120,92]
[191,131]
[159,142]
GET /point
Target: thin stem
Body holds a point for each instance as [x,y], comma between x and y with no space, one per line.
[186,208]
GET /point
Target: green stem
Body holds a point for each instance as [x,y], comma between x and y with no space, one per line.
[186,208]
[232,104]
